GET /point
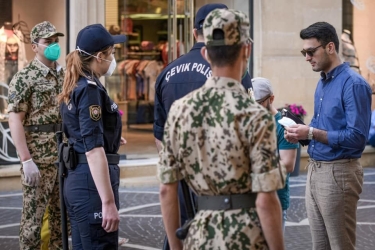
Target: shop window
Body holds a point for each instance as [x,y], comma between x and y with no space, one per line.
[143,57]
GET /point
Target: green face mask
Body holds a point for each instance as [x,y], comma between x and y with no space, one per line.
[52,51]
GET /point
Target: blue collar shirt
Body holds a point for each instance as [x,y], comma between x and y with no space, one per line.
[342,107]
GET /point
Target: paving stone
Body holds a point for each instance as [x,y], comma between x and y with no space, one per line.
[144,226]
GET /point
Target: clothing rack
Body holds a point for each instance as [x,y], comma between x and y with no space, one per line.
[138,72]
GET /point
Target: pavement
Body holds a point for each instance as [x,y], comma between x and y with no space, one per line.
[141,220]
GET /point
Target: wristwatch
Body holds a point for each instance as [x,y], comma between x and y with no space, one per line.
[310,134]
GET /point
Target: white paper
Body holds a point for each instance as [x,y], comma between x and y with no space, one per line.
[286,122]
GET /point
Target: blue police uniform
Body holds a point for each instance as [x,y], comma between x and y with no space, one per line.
[84,126]
[185,74]
[182,76]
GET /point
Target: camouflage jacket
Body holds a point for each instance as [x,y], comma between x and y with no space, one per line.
[221,143]
[33,90]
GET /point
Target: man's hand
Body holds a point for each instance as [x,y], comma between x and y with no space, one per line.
[31,173]
[122,141]
[111,218]
[297,132]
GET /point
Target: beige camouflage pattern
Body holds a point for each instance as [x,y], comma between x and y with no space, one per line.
[44,30]
[221,142]
[233,23]
[33,90]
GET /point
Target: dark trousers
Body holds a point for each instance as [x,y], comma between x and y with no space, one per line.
[84,207]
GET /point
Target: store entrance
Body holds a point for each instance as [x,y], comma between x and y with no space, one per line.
[158,32]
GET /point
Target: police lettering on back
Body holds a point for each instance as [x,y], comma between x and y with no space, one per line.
[198,67]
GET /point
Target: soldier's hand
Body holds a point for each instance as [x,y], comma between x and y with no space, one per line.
[111,218]
[31,173]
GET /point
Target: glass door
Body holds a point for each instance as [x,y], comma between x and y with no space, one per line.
[180,26]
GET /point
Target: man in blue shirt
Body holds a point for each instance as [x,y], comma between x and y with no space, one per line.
[338,132]
[287,151]
[180,77]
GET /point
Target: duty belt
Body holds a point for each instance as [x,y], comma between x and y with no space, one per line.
[48,128]
[227,202]
[112,159]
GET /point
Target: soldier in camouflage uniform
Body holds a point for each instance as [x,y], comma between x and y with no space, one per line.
[33,120]
[224,145]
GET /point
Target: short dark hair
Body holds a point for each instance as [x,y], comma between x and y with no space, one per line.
[222,55]
[323,32]
[200,32]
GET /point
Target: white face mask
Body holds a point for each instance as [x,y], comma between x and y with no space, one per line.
[111,67]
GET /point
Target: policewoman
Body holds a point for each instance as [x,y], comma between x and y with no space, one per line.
[92,125]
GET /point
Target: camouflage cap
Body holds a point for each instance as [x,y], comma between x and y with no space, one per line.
[234,24]
[44,30]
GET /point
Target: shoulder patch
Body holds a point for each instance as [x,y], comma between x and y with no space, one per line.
[95,112]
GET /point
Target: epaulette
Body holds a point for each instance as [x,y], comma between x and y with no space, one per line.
[92,82]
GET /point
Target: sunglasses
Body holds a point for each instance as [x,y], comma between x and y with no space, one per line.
[310,52]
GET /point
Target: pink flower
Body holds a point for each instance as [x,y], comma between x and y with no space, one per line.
[296,109]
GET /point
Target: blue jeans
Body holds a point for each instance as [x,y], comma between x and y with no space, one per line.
[284,215]
[371,141]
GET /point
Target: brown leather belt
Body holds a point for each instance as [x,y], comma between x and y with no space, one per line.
[227,202]
[48,128]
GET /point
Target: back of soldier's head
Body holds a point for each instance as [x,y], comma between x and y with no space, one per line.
[225,31]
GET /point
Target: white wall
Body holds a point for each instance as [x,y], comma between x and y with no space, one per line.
[277,46]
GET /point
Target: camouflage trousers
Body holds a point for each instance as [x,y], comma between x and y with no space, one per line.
[35,201]
[226,229]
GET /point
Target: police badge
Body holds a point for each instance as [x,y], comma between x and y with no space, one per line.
[95,112]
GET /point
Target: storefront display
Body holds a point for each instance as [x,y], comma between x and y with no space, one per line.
[13,55]
[13,59]
[146,53]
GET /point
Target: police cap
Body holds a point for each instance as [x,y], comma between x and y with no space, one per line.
[95,37]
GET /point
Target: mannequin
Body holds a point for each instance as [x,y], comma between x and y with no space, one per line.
[8,28]
[12,59]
